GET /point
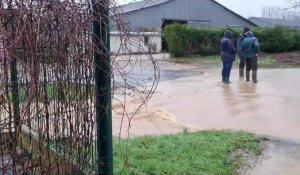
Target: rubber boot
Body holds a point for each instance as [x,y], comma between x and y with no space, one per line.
[254,76]
[247,75]
[227,80]
[241,73]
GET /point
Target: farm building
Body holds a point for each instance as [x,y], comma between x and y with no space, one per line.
[158,13]
[154,15]
[271,22]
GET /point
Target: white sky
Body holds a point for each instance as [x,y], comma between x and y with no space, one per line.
[246,8]
[249,8]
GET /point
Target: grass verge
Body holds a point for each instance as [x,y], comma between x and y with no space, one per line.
[204,152]
[264,61]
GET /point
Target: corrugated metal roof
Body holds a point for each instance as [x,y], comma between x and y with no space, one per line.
[283,22]
[141,4]
[234,12]
[133,6]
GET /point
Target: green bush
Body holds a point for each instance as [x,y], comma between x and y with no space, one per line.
[297,41]
[174,35]
[276,39]
[184,40]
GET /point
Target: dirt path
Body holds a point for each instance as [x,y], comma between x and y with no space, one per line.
[280,157]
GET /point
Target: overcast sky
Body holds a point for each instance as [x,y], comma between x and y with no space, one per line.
[249,8]
[246,8]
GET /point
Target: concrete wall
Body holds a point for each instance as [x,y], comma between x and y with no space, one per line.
[134,42]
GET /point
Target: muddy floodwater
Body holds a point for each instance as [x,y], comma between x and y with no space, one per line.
[271,107]
[194,98]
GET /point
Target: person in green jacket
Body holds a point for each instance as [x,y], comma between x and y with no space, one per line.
[250,50]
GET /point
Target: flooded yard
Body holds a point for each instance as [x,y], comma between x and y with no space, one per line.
[270,107]
[194,98]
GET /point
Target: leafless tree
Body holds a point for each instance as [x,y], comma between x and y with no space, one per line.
[294,4]
[279,13]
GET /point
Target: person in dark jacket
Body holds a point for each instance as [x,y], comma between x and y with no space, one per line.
[250,49]
[228,53]
[240,40]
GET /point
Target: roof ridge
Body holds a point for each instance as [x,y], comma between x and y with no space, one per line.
[133,6]
[278,21]
[240,16]
[259,18]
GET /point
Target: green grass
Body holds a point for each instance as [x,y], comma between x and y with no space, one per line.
[201,153]
[207,60]
[264,61]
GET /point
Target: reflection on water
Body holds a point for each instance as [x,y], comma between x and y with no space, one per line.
[248,88]
[240,98]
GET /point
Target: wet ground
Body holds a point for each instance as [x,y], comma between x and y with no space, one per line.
[194,98]
[280,157]
[270,107]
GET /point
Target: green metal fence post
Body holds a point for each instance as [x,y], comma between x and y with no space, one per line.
[103,86]
[15,91]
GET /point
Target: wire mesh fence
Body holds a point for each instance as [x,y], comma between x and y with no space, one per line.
[47,85]
[48,88]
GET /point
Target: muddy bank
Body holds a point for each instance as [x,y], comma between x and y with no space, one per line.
[291,58]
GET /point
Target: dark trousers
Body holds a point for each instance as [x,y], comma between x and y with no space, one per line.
[242,61]
[251,64]
[227,65]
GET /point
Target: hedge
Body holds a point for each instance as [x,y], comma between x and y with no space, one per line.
[184,40]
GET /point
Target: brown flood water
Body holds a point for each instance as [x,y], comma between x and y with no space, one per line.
[201,101]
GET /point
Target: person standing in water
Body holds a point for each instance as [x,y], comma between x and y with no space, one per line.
[228,53]
[240,40]
[250,49]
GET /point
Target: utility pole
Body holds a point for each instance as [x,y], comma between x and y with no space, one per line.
[103,86]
